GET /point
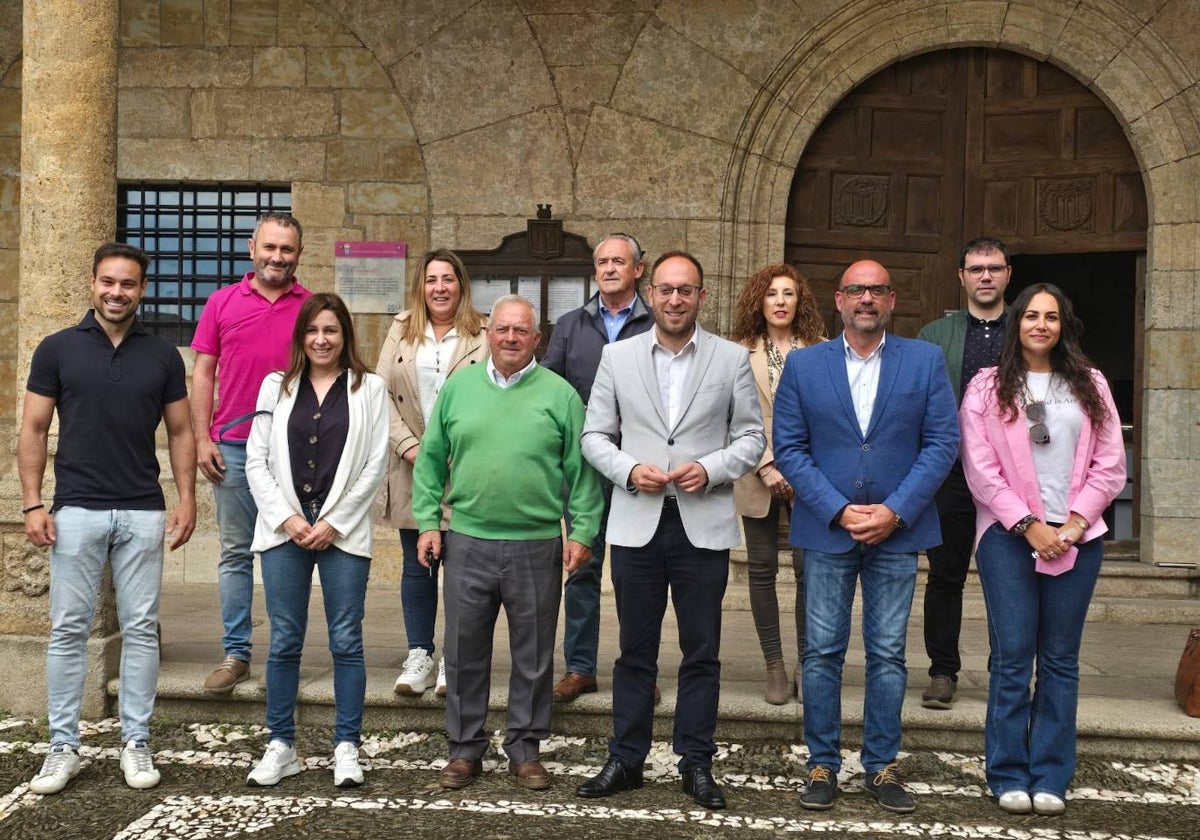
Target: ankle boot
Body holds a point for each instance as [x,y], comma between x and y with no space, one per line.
[777,684]
[798,683]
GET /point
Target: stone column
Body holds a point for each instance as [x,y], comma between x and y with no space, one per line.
[68,206]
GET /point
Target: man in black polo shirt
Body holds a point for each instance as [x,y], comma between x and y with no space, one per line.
[111,382]
[970,340]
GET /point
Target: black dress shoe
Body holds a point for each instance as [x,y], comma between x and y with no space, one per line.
[614,778]
[698,783]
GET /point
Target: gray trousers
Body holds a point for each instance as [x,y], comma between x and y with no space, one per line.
[478,577]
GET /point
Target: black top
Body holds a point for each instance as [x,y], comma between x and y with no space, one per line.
[316,437]
[110,401]
[982,347]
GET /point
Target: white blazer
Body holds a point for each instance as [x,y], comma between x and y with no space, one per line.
[719,425]
[359,472]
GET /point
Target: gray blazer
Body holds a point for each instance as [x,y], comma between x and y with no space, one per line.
[720,426]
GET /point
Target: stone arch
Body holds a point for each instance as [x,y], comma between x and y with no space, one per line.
[1116,53]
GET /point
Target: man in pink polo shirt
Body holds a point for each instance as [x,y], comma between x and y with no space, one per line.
[244,333]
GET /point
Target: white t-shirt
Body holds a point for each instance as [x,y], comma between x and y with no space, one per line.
[1055,460]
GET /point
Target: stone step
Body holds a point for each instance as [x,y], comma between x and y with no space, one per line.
[1146,729]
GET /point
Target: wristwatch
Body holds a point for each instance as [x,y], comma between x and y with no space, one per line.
[1023,526]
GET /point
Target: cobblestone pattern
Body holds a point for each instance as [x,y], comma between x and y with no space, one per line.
[203,794]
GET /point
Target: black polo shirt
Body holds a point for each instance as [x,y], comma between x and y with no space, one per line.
[110,401]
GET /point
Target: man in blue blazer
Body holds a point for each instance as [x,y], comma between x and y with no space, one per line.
[865,431]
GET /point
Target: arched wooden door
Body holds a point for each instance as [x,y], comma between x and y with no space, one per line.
[938,149]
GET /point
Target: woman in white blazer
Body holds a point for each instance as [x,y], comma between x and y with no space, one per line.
[775,314]
[315,458]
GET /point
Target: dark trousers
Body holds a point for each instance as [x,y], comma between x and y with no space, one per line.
[696,579]
[948,565]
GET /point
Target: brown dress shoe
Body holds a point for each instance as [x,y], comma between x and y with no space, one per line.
[571,686]
[228,674]
[461,772]
[530,774]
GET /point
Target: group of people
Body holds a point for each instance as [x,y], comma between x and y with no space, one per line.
[649,436]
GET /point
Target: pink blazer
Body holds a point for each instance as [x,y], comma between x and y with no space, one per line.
[997,459]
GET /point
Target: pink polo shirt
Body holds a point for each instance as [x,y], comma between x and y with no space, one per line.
[251,337]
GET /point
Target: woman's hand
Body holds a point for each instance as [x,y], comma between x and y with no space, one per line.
[774,481]
[320,536]
[1045,540]
[297,528]
[410,454]
[1073,531]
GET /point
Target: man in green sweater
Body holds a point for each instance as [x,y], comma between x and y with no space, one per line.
[506,435]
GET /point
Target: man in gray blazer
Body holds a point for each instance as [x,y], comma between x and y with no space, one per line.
[672,421]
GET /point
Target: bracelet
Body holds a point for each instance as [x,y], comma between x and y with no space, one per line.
[32,508]
[1023,526]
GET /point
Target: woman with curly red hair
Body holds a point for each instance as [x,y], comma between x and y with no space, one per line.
[776,313]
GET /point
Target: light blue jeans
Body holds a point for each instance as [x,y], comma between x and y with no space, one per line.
[1030,741]
[287,582]
[236,513]
[131,541]
[888,581]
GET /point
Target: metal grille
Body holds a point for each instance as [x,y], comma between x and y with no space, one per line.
[196,237]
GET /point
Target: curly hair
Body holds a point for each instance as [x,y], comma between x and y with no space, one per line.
[1067,360]
[749,323]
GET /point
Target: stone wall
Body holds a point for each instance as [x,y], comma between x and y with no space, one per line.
[445,122]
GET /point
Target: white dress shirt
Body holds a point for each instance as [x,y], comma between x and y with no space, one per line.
[672,370]
[863,373]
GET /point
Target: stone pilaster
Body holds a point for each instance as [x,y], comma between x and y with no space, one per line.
[68,202]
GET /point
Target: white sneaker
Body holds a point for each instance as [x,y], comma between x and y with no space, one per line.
[61,765]
[346,770]
[1048,805]
[417,674]
[1016,802]
[138,766]
[278,762]
[440,690]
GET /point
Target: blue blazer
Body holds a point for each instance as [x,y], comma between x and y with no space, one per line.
[910,444]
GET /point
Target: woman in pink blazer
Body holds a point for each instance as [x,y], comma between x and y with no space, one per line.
[1043,456]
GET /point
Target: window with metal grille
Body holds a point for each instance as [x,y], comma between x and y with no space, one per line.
[195,235]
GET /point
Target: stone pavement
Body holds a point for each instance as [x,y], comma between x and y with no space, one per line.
[1126,679]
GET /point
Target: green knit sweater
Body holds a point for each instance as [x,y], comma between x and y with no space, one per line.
[506,453]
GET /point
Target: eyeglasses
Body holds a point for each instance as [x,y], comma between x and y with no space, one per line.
[976,271]
[1036,411]
[665,292]
[855,290]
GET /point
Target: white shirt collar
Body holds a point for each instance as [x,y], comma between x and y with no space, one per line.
[499,377]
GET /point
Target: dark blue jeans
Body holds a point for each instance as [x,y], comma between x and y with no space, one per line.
[418,594]
[1030,741]
[287,582]
[888,581]
[581,598]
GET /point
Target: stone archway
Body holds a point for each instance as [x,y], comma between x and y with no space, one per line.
[1150,91]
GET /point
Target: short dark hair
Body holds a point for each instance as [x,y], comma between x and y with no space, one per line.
[982,245]
[120,249]
[678,253]
[279,217]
